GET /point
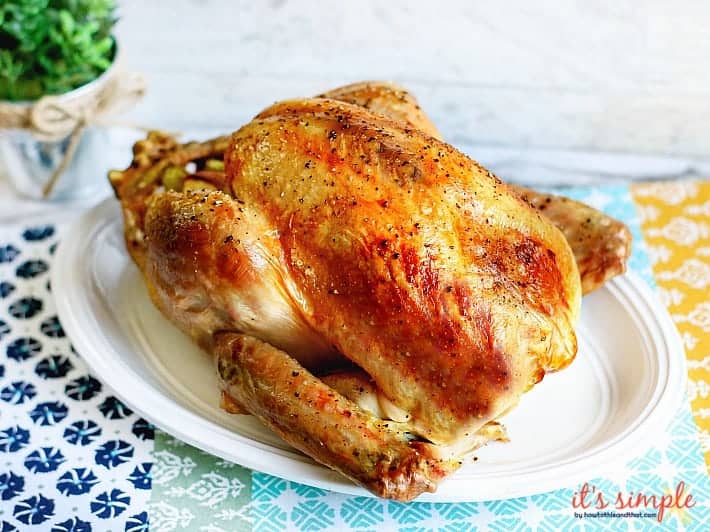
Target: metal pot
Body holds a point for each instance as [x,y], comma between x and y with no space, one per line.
[28,163]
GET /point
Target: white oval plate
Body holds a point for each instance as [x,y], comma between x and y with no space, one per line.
[621,391]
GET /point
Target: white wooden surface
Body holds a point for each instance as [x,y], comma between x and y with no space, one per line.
[600,75]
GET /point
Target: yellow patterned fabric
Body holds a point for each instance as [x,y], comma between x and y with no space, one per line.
[675,218]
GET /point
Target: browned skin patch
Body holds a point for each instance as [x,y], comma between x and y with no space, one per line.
[600,243]
[230,405]
[185,243]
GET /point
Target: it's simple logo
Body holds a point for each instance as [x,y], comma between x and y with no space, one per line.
[589,497]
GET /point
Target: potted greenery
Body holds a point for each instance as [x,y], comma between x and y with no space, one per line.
[57,76]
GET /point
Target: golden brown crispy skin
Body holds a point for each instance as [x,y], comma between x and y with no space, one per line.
[413,261]
[337,232]
[601,244]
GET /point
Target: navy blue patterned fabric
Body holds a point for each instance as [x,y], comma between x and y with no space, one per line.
[73,458]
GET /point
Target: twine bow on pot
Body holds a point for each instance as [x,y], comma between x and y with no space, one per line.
[53,118]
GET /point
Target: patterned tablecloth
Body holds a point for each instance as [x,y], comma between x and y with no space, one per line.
[73,458]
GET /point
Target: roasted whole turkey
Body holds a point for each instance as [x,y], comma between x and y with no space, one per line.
[368,292]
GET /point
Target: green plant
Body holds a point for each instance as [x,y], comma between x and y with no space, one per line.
[53,46]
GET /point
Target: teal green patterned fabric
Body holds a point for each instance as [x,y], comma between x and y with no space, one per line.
[73,457]
[193,490]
